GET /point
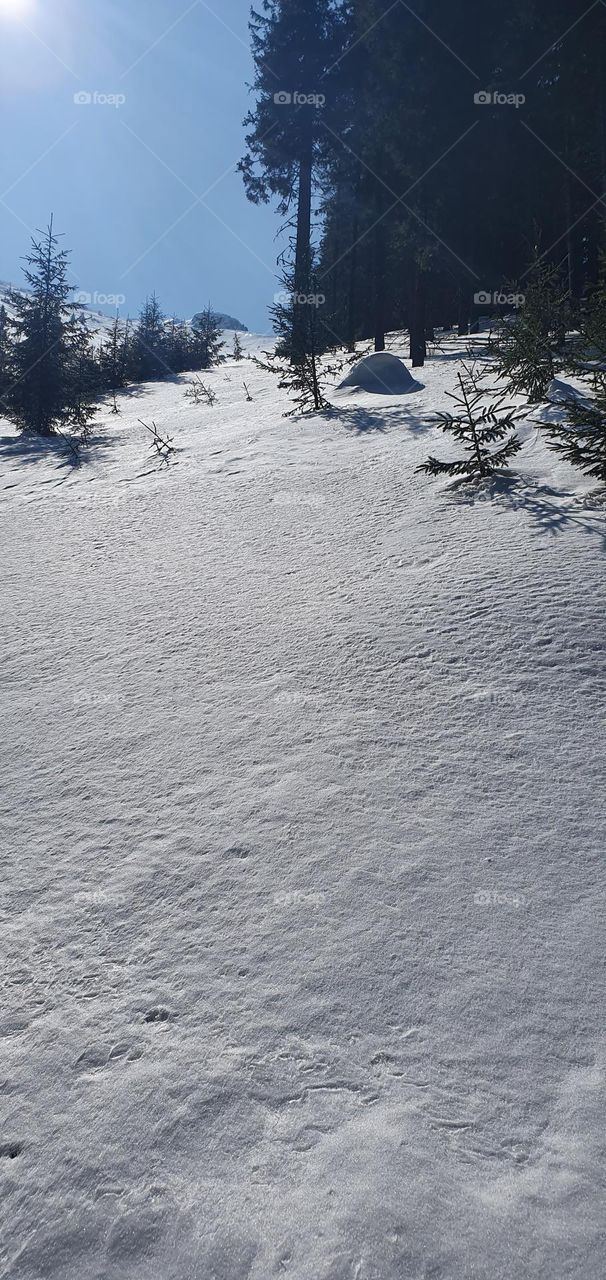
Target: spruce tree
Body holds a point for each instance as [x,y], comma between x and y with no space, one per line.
[84,377]
[527,350]
[113,359]
[148,361]
[41,396]
[296,48]
[207,344]
[581,438]
[7,359]
[179,355]
[476,425]
[237,351]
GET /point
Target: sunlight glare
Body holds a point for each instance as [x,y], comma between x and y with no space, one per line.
[15,8]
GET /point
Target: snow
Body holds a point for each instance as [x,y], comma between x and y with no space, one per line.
[381,372]
[303,768]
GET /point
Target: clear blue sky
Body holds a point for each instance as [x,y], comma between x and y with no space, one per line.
[121,181]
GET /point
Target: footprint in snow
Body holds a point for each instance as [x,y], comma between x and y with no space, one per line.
[10,1150]
[96,1057]
[158,1014]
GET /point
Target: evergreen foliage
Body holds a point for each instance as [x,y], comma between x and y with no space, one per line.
[581,438]
[527,351]
[207,344]
[52,383]
[475,426]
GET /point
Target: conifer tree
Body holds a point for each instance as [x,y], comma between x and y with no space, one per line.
[237,351]
[581,438]
[476,425]
[41,397]
[527,349]
[593,322]
[113,359]
[7,359]
[207,344]
[148,346]
[84,377]
[179,356]
[296,46]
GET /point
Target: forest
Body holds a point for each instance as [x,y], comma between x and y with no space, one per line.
[426,166]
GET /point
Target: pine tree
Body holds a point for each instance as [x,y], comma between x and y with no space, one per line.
[179,355]
[84,378]
[148,361]
[476,426]
[593,322]
[41,397]
[527,349]
[296,47]
[207,344]
[7,359]
[237,351]
[581,438]
[113,360]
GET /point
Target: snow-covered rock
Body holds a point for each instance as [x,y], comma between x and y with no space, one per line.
[224,321]
[381,373]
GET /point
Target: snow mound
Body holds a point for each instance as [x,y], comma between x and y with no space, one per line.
[560,392]
[382,373]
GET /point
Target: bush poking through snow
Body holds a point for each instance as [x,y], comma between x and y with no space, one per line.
[248,395]
[163,447]
[200,393]
[305,381]
[475,427]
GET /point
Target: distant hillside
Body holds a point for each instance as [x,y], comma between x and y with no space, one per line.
[99,321]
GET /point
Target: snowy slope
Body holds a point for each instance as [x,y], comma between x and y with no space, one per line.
[303,765]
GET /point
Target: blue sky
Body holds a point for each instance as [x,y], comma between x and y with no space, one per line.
[122,180]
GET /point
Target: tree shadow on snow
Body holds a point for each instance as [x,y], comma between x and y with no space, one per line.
[30,448]
[515,493]
[361,421]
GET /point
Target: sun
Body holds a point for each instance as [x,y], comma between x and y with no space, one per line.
[14,8]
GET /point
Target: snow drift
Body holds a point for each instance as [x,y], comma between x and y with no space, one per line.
[381,373]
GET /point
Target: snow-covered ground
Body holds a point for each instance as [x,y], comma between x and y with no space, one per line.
[303,812]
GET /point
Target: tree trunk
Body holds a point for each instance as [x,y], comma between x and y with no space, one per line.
[302,278]
[418,348]
[379,283]
[352,291]
[464,313]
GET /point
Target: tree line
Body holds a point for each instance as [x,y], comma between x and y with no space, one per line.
[427,159]
[52,373]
